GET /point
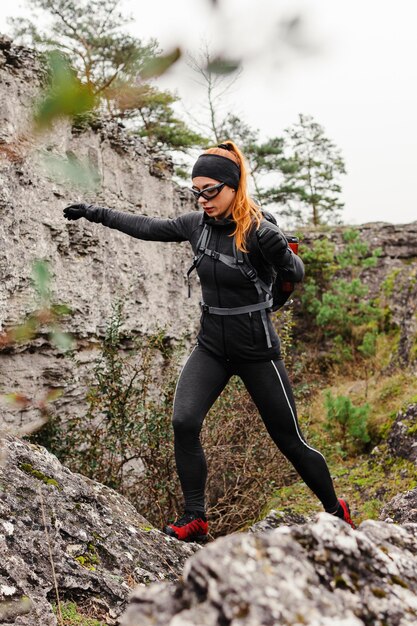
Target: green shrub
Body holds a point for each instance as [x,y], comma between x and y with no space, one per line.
[284,323]
[126,429]
[345,421]
[335,301]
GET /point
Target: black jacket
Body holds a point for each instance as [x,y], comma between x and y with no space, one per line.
[234,337]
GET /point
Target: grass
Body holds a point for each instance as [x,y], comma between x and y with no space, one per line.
[368,483]
[385,394]
[73,617]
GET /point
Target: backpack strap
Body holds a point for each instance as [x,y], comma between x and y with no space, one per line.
[219,256]
[247,269]
[202,244]
[264,291]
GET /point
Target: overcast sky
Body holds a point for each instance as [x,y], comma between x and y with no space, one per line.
[354,69]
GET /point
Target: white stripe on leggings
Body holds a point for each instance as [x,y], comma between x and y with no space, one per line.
[182,369]
[292,413]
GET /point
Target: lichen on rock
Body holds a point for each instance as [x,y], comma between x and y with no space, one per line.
[101,546]
[402,438]
[317,574]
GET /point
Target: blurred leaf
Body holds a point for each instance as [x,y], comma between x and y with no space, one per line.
[128,95]
[24,332]
[6,338]
[63,341]
[41,278]
[44,316]
[71,170]
[160,64]
[17,398]
[61,309]
[53,394]
[43,404]
[223,66]
[66,95]
[292,23]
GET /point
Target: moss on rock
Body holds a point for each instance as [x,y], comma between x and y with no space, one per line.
[32,471]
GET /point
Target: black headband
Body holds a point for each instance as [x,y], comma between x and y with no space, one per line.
[217,167]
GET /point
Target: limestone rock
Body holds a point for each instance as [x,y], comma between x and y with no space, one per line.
[274,519]
[401,509]
[99,544]
[318,574]
[402,439]
[91,265]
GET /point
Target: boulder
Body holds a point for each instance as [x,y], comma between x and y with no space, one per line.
[275,518]
[402,438]
[60,528]
[401,509]
[318,574]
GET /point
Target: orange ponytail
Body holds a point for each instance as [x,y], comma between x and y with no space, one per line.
[244,210]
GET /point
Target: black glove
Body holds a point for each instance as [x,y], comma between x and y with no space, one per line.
[75,211]
[271,242]
[91,212]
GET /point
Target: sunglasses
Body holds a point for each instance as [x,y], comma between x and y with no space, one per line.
[209,192]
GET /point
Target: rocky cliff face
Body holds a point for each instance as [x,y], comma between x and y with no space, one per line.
[91,265]
[402,439]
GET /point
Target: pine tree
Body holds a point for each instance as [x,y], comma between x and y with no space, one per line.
[310,187]
[263,157]
[114,65]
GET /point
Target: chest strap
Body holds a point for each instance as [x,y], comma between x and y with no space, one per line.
[237,310]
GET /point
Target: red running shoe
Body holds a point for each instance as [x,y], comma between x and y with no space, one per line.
[346,513]
[190,527]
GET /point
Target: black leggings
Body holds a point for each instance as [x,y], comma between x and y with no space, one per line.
[203,378]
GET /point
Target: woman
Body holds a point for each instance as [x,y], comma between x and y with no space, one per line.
[236,334]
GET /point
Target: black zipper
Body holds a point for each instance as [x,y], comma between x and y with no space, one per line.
[218,294]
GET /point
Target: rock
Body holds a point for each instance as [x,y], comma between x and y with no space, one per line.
[92,265]
[318,574]
[18,58]
[401,509]
[99,544]
[402,438]
[274,519]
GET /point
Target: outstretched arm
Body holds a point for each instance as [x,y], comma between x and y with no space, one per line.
[139,226]
[276,251]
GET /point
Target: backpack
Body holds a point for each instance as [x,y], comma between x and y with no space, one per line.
[281,290]
[270,297]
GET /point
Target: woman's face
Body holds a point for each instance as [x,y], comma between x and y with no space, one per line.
[221,205]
